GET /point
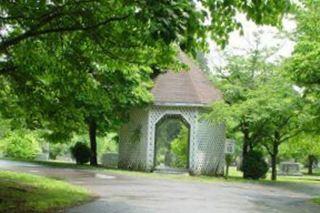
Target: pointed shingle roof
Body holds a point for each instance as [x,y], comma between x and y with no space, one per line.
[185,88]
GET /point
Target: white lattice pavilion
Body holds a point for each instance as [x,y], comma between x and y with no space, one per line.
[187,94]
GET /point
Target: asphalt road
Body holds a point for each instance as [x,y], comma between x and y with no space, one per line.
[122,194]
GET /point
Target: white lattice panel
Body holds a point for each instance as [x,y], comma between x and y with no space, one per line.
[158,112]
[210,149]
[207,142]
[132,147]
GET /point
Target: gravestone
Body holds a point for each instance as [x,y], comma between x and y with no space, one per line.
[290,168]
[229,146]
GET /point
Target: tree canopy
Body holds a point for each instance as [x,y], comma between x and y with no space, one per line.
[305,149]
[260,103]
[304,64]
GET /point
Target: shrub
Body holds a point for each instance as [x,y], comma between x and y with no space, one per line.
[254,166]
[179,147]
[21,145]
[228,159]
[80,152]
[58,149]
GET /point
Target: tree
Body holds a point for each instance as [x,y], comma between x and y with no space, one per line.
[273,115]
[79,96]
[279,108]
[228,159]
[304,64]
[258,102]
[167,20]
[74,65]
[238,81]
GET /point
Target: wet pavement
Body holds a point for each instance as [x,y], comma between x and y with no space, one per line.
[122,194]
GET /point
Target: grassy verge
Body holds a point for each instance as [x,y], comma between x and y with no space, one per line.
[235,176]
[31,193]
[316,200]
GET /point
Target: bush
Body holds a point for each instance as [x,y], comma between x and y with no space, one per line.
[20,145]
[80,152]
[179,147]
[58,149]
[228,159]
[254,166]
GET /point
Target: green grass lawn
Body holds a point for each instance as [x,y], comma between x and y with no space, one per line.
[234,176]
[20,192]
[316,200]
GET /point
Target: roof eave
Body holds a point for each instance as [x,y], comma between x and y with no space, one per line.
[181,104]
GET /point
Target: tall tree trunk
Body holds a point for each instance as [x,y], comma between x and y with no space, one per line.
[310,164]
[93,143]
[227,171]
[274,156]
[245,148]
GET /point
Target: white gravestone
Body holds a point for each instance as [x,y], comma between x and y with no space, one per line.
[290,168]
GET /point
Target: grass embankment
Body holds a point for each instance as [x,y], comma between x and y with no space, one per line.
[316,201]
[20,192]
[235,176]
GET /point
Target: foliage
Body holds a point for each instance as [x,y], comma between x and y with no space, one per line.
[301,147]
[37,194]
[105,143]
[238,81]
[172,143]
[88,62]
[80,152]
[304,148]
[259,102]
[228,159]
[279,110]
[180,148]
[180,21]
[304,64]
[58,149]
[254,166]
[4,127]
[108,143]
[20,144]
[166,131]
[316,200]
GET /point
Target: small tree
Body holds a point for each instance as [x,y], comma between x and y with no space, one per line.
[240,81]
[280,109]
[254,166]
[21,144]
[179,147]
[228,159]
[81,153]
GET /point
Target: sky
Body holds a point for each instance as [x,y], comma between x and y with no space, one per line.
[238,43]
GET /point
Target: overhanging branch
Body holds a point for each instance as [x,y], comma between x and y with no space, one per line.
[34,33]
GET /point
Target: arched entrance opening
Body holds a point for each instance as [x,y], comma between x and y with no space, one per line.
[172,142]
